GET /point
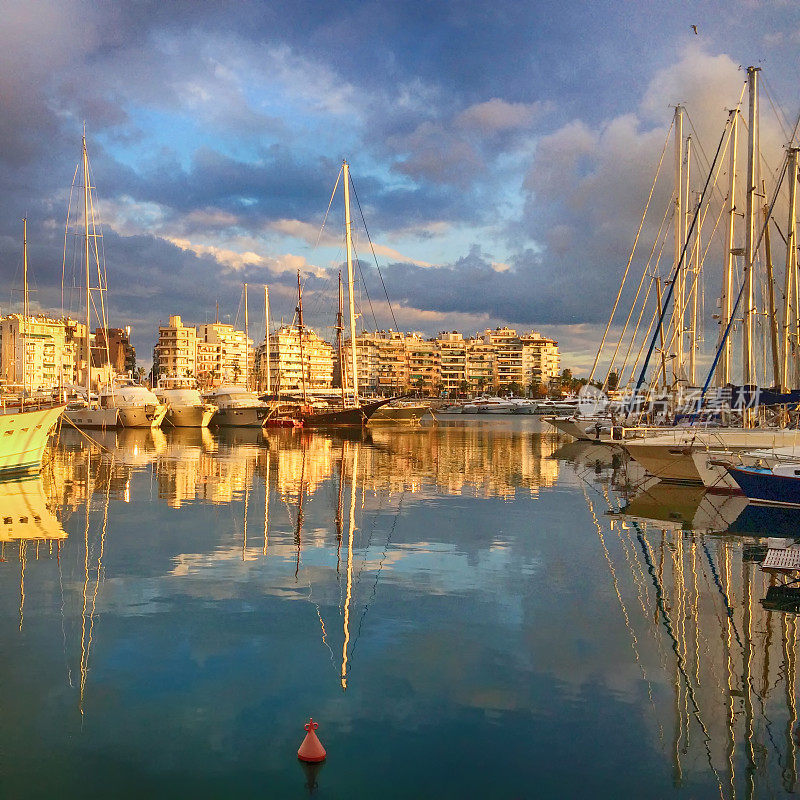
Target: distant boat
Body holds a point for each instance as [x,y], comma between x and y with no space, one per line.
[774,486]
[400,413]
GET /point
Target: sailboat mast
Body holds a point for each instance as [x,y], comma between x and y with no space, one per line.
[300,331]
[86,258]
[266,337]
[747,328]
[695,287]
[246,341]
[724,372]
[349,241]
[339,347]
[677,314]
[24,329]
[773,314]
[791,264]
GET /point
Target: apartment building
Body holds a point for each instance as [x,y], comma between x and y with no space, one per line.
[177,349]
[289,364]
[452,362]
[53,351]
[116,350]
[541,362]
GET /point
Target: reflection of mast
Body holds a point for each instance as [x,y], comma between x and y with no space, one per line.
[300,514]
[789,631]
[300,332]
[22,558]
[339,519]
[348,595]
[266,503]
[339,346]
[244,524]
[86,640]
[730,748]
[747,660]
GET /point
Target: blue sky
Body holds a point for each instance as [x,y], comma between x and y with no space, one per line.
[501,152]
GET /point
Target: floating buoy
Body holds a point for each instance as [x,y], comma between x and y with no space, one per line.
[311,750]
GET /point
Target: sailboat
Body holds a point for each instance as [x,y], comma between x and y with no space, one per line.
[86,413]
[352,413]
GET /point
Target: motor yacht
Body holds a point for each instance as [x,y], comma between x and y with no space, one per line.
[237,407]
[136,405]
[185,406]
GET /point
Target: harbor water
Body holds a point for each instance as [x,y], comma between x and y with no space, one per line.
[476,608]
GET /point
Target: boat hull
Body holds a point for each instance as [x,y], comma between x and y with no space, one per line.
[762,486]
[253,417]
[144,416]
[189,416]
[399,415]
[92,418]
[355,417]
[23,437]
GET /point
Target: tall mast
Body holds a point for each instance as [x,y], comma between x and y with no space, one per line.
[724,371]
[773,314]
[791,265]
[339,347]
[300,330]
[86,257]
[695,287]
[686,271]
[266,337]
[747,328]
[24,328]
[246,343]
[677,313]
[349,239]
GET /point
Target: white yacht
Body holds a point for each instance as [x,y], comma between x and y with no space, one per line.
[136,405]
[237,407]
[488,405]
[185,406]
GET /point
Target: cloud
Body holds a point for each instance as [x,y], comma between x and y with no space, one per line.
[498,115]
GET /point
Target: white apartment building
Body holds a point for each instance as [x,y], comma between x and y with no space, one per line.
[177,349]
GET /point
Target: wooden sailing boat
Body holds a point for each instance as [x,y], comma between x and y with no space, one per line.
[353,412]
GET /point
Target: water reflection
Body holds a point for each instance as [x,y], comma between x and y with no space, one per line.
[193,595]
[702,602]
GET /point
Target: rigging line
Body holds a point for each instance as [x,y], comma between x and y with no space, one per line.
[633,251]
[364,284]
[330,203]
[636,296]
[66,233]
[634,640]
[377,578]
[777,111]
[374,256]
[624,365]
[669,212]
[660,601]
[682,258]
[698,141]
[744,282]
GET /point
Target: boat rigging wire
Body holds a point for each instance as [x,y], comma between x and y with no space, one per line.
[372,248]
[633,251]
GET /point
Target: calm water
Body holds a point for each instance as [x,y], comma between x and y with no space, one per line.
[455,605]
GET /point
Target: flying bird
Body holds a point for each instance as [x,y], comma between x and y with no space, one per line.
[694,28]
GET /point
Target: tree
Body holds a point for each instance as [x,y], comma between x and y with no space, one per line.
[613,381]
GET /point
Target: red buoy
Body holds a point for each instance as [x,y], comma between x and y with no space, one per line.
[311,750]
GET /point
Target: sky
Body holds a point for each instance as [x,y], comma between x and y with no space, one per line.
[501,153]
